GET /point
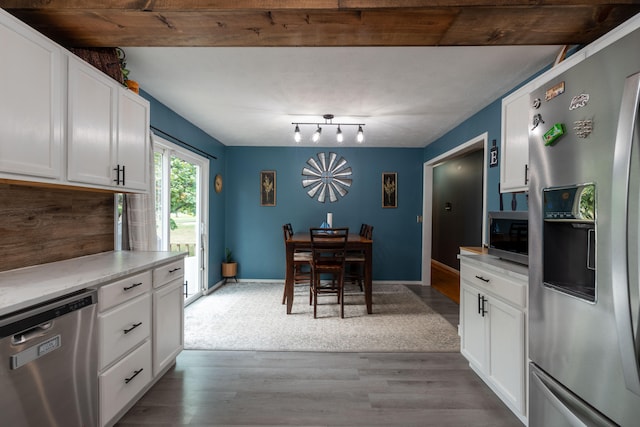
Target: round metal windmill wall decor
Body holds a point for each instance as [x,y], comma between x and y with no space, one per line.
[326,176]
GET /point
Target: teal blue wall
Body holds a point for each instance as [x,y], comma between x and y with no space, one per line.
[168,121]
[254,232]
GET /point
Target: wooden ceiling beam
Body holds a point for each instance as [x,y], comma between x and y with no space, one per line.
[96,23]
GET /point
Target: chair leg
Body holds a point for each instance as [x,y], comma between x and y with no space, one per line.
[341,293]
[315,298]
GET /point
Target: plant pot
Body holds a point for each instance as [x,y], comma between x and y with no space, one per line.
[133,86]
[229,269]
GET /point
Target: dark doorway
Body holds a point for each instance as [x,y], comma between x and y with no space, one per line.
[457,207]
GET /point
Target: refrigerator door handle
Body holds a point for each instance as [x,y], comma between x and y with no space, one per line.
[627,130]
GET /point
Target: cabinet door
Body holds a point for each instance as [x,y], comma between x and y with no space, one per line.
[168,324]
[30,102]
[514,157]
[91,125]
[473,324]
[506,352]
[133,140]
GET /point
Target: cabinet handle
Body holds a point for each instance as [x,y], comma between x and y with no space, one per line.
[126,288]
[135,374]
[484,300]
[483,279]
[135,325]
[526,174]
[117,169]
[123,175]
[174,270]
[479,305]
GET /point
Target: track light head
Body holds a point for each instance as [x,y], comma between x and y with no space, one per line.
[296,134]
[316,135]
[360,135]
[339,136]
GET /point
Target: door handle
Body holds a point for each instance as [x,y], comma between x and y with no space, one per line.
[126,288]
[484,300]
[135,374]
[483,279]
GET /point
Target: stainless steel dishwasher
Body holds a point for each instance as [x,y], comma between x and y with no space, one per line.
[48,368]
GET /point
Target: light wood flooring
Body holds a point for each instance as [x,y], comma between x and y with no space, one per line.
[250,388]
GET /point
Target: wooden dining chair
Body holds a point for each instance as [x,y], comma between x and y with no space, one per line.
[301,263]
[355,260]
[328,247]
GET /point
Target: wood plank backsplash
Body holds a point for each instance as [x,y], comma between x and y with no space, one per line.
[40,225]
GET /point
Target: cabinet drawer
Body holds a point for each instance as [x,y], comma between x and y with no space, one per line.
[166,273]
[123,381]
[502,287]
[118,292]
[123,328]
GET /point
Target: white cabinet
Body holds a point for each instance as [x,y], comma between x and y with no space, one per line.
[514,153]
[133,141]
[108,136]
[124,343]
[31,103]
[91,135]
[57,111]
[168,314]
[493,326]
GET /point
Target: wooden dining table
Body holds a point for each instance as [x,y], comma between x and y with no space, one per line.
[355,242]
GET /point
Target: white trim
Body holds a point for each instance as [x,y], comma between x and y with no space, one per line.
[171,149]
[427,197]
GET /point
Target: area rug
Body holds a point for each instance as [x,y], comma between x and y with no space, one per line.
[250,316]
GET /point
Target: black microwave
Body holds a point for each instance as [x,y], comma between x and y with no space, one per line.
[509,235]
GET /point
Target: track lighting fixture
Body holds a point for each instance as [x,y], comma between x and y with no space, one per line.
[328,121]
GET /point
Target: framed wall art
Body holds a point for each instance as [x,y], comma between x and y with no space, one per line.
[268,188]
[389,190]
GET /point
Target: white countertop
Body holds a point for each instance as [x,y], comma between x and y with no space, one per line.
[24,287]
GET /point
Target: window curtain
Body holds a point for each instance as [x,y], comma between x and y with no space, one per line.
[139,214]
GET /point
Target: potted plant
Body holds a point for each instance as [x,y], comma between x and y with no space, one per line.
[131,84]
[229,266]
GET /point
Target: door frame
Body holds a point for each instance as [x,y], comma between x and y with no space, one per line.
[202,202]
[480,141]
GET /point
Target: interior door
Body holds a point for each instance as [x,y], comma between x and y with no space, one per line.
[181,210]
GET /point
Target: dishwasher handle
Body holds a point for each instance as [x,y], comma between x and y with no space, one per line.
[28,335]
[26,321]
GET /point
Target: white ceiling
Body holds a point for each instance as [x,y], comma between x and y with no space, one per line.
[405,96]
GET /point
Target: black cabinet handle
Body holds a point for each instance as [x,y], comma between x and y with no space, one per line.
[117,169]
[135,374]
[126,288]
[484,300]
[526,174]
[174,270]
[123,175]
[483,279]
[479,305]
[135,325]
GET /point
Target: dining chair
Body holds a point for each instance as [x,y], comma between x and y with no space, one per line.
[301,263]
[328,247]
[355,260]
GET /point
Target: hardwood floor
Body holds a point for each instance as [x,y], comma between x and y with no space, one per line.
[249,388]
[446,280]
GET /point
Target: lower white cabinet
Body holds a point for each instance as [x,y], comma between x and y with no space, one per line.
[493,327]
[168,324]
[140,333]
[123,381]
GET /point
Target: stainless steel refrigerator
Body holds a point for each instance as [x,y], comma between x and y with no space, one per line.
[584,221]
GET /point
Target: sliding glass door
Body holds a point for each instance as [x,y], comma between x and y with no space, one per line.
[181,209]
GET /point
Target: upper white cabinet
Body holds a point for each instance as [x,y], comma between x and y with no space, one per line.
[514,155]
[31,103]
[107,131]
[133,140]
[91,136]
[56,107]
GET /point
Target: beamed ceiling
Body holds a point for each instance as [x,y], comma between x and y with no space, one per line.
[321,22]
[412,70]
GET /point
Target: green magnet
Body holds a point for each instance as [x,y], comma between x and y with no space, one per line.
[554,133]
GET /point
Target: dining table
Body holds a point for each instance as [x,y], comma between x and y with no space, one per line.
[355,242]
